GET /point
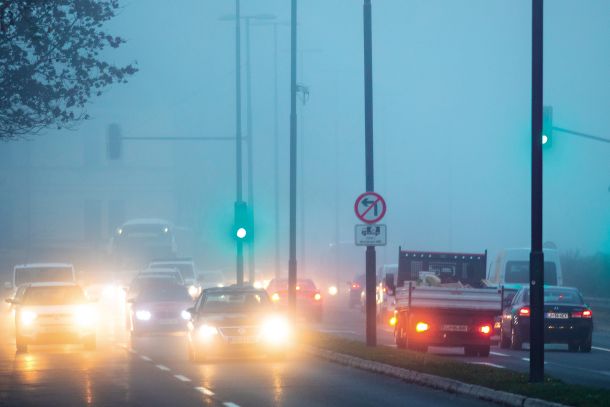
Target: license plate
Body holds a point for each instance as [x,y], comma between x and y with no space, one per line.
[242,339]
[455,328]
[168,321]
[556,315]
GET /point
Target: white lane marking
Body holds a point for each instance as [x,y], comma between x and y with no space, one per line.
[598,348]
[205,391]
[488,364]
[162,367]
[182,378]
[528,359]
[499,354]
[229,404]
[146,358]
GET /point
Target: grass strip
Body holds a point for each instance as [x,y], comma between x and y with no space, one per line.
[498,379]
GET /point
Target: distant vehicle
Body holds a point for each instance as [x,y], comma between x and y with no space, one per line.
[356,289]
[507,298]
[234,321]
[309,298]
[445,316]
[386,302]
[511,268]
[139,241]
[162,272]
[43,273]
[54,313]
[567,319]
[186,267]
[209,279]
[143,281]
[159,307]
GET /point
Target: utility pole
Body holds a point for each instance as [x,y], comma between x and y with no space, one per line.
[276,153]
[292,262]
[238,146]
[251,269]
[536,254]
[371,280]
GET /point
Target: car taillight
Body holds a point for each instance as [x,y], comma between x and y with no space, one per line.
[355,286]
[485,329]
[275,297]
[317,297]
[421,327]
[582,314]
[524,312]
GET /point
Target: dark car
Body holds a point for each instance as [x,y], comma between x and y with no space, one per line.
[567,319]
[159,307]
[356,287]
[309,298]
[236,321]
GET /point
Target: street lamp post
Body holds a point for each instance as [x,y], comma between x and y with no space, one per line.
[292,262]
[238,146]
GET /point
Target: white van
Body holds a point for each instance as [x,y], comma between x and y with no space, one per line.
[511,268]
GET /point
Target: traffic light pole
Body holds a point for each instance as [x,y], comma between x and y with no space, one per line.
[536,254]
[238,146]
[371,281]
[292,262]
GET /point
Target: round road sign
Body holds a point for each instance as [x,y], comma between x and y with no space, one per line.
[370,207]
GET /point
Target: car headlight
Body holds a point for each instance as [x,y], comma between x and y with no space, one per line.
[193,290]
[185,315]
[276,330]
[207,332]
[143,315]
[28,317]
[84,316]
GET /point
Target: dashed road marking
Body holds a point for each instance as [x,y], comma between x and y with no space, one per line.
[229,404]
[499,354]
[162,367]
[182,378]
[205,391]
[146,358]
[602,349]
[488,364]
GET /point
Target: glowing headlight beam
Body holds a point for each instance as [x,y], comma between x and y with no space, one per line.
[276,330]
[206,332]
[28,317]
[143,315]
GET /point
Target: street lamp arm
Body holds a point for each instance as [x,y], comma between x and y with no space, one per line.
[580,134]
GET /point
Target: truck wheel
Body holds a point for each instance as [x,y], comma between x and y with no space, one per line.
[399,337]
[515,340]
[418,347]
[470,350]
[504,340]
[586,345]
[484,351]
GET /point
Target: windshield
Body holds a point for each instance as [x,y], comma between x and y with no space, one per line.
[162,274]
[164,293]
[63,295]
[43,275]
[558,295]
[519,272]
[225,302]
[186,270]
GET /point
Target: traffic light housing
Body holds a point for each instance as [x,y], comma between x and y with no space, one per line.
[114,142]
[547,126]
[242,229]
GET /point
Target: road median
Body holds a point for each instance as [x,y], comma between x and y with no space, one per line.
[502,386]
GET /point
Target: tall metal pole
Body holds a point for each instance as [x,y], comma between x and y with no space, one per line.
[371,281]
[292,262]
[238,152]
[276,154]
[251,276]
[536,254]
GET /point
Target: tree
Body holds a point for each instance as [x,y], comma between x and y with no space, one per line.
[50,64]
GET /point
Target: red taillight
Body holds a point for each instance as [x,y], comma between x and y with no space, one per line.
[524,312]
[485,329]
[582,314]
[355,286]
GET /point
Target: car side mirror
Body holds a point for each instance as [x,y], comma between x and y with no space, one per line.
[8,285]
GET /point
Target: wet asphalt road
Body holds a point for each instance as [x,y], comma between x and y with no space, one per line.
[154,371]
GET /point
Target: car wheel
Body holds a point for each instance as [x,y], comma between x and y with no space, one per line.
[504,340]
[515,340]
[90,343]
[418,347]
[483,351]
[573,346]
[585,346]
[22,346]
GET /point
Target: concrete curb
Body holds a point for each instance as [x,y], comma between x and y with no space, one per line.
[435,382]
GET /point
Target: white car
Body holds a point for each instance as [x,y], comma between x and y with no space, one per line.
[54,313]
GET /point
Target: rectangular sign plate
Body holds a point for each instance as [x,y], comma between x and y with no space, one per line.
[371,235]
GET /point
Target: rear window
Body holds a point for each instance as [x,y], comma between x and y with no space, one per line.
[160,293]
[236,302]
[558,295]
[519,272]
[63,295]
[186,270]
[28,275]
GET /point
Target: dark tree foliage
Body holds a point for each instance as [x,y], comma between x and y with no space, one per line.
[50,63]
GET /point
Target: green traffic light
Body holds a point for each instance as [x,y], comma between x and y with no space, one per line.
[241,233]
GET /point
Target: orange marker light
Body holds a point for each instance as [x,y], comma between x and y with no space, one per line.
[421,327]
[485,329]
